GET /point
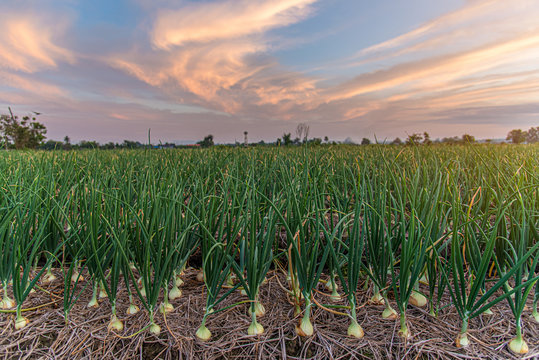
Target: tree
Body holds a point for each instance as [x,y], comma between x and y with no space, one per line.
[287,139]
[108,146]
[365,141]
[26,133]
[326,139]
[315,141]
[533,135]
[426,138]
[128,144]
[451,140]
[302,131]
[468,139]
[67,143]
[52,145]
[88,144]
[414,139]
[517,136]
[207,141]
[397,141]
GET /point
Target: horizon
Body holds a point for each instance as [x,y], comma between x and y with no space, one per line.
[109,71]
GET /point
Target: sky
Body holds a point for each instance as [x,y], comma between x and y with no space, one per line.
[110,70]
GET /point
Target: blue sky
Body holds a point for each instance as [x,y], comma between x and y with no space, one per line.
[109,70]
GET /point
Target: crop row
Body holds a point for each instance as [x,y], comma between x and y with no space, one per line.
[462,220]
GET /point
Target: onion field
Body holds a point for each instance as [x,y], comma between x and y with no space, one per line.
[440,232]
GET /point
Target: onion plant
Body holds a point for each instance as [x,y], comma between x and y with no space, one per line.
[377,219]
[27,241]
[219,221]
[308,254]
[7,251]
[523,244]
[342,188]
[354,251]
[465,290]
[154,248]
[255,249]
[413,235]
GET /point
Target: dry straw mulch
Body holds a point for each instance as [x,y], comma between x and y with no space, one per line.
[87,337]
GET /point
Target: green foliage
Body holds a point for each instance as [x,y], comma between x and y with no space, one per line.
[463,215]
[26,133]
[517,136]
[287,139]
[206,142]
[533,135]
[414,139]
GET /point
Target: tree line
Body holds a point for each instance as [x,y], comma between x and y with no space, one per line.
[28,133]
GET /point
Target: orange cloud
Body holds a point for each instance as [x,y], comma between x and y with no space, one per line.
[31,86]
[215,54]
[27,42]
[441,70]
[215,51]
[225,20]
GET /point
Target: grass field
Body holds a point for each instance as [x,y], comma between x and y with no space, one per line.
[366,252]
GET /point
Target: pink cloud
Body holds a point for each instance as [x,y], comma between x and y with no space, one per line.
[27,41]
[231,19]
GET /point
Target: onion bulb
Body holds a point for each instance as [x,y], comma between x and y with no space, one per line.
[174,293]
[166,307]
[331,286]
[518,346]
[93,301]
[418,299]
[260,310]
[335,296]
[305,327]
[389,313]
[49,277]
[462,340]
[404,332]
[377,298]
[102,292]
[203,333]
[6,302]
[21,322]
[255,328]
[355,330]
[132,309]
[155,329]
[76,276]
[115,323]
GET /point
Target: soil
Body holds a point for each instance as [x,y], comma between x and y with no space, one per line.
[86,335]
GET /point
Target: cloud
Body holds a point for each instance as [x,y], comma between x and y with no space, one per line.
[215,54]
[30,85]
[232,19]
[196,67]
[28,41]
[439,71]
